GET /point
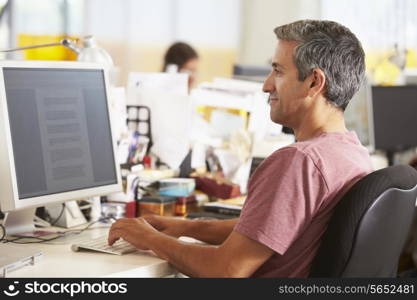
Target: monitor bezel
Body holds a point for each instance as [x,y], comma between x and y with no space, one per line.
[9,196]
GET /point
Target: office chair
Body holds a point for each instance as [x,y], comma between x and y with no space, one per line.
[368,229]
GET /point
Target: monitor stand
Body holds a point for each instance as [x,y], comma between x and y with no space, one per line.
[19,221]
[69,217]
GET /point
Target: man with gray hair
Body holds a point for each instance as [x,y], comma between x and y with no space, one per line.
[317,68]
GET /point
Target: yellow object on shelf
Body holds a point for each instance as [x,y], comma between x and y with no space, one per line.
[386,73]
[411,59]
[206,112]
[45,53]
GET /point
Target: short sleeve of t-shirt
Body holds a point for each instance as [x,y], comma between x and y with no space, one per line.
[284,193]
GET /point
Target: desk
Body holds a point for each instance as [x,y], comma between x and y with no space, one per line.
[61,261]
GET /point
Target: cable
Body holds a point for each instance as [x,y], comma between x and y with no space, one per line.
[59,216]
[59,234]
[38,239]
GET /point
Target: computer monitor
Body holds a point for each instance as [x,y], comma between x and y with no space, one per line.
[393,117]
[257,73]
[56,137]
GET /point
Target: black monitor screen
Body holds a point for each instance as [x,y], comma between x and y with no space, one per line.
[394,117]
[60,130]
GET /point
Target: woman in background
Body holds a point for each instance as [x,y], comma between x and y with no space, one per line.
[184,59]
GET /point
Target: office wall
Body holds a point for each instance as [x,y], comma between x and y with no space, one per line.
[259,18]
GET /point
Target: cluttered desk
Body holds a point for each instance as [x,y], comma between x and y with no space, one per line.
[59,147]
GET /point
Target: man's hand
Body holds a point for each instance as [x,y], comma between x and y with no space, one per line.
[174,227]
[133,231]
[213,232]
[237,256]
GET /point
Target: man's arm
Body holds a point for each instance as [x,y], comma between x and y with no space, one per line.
[212,232]
[237,256]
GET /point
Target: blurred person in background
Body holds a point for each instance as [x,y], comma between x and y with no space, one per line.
[181,57]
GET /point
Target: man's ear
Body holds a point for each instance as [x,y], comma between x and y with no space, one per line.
[317,82]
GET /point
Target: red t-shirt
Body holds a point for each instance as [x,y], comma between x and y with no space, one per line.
[291,196]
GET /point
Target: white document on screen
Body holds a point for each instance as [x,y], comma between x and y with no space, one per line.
[67,154]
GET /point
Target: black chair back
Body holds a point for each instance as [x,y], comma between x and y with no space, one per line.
[369,227]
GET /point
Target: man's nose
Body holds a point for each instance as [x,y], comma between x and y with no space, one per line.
[269,86]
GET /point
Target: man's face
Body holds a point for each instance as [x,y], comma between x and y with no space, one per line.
[287,93]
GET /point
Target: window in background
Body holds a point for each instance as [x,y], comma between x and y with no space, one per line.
[46,21]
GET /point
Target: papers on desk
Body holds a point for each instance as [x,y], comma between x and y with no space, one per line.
[235,150]
[223,123]
[238,94]
[118,111]
[172,83]
[228,160]
[233,86]
[166,95]
[205,96]
[229,206]
[170,128]
[149,175]
[260,122]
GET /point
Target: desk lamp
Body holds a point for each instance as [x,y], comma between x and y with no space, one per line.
[90,52]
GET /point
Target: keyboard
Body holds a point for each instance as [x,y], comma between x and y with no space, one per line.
[100,244]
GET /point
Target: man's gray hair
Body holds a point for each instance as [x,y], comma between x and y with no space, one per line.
[332,48]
